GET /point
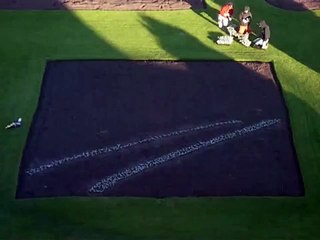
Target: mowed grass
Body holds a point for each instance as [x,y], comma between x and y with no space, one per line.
[30,38]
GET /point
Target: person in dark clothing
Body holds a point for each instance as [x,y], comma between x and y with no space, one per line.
[244,20]
[263,41]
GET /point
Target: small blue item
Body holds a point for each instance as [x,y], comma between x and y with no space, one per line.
[15,124]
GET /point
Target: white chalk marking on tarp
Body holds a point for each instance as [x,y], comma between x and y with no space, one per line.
[120,146]
[113,179]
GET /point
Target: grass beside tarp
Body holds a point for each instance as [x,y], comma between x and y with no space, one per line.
[29,38]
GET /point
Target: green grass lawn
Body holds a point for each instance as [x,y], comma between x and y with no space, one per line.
[29,38]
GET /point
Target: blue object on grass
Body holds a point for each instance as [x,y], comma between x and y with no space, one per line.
[15,124]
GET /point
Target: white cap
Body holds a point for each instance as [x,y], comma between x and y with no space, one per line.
[19,119]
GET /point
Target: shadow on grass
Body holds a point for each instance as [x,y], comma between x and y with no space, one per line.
[213,35]
[209,13]
[295,4]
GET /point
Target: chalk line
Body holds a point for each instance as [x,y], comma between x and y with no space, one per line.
[113,179]
[120,146]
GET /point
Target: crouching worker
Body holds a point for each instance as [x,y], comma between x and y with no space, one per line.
[263,41]
[225,15]
[245,18]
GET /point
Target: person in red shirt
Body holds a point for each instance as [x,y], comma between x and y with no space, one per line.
[225,15]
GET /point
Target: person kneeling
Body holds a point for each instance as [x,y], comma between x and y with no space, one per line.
[225,15]
[263,41]
[245,18]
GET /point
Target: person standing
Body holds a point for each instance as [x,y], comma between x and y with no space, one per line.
[263,41]
[245,18]
[225,15]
